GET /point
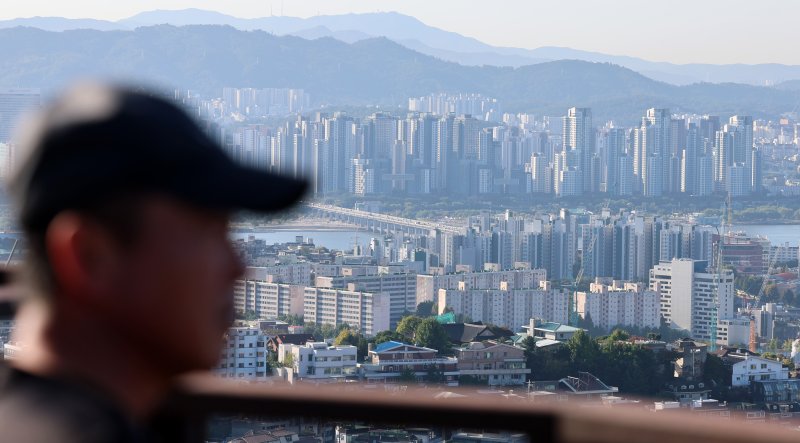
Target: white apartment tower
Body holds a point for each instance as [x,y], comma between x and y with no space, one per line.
[244,356]
[579,137]
[690,293]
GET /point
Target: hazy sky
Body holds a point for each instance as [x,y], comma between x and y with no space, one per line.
[680,31]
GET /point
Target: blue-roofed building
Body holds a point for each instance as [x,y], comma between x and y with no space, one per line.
[392,361]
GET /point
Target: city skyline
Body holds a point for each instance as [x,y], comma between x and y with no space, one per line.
[472,203]
[617,28]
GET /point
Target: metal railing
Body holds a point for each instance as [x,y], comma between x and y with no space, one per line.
[200,397]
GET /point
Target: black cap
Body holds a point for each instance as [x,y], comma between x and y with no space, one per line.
[97,142]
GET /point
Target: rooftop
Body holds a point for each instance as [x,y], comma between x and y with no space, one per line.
[556,327]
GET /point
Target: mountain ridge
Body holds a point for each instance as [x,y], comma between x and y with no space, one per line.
[375,71]
[415,34]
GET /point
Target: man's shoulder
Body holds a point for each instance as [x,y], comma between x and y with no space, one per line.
[34,409]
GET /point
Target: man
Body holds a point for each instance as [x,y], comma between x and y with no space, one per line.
[128,279]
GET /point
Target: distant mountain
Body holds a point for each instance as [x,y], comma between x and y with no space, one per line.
[455,47]
[369,72]
[58,24]
[322,32]
[414,34]
[791,85]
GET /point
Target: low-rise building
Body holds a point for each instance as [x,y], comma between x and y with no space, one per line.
[584,386]
[392,362]
[733,331]
[464,333]
[550,330]
[754,368]
[691,361]
[274,343]
[776,391]
[496,364]
[318,361]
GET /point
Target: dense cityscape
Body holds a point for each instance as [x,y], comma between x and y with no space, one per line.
[463,145]
[567,297]
[474,252]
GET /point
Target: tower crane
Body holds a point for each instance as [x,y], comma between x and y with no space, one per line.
[573,299]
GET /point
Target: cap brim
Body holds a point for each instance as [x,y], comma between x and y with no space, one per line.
[262,191]
[234,187]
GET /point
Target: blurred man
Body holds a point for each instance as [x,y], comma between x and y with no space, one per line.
[125,203]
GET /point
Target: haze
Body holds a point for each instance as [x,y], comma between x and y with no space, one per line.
[677,31]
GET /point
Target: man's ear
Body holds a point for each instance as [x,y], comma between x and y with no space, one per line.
[81,256]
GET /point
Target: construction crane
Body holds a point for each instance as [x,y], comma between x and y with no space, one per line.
[573,299]
[726,219]
[773,260]
[11,254]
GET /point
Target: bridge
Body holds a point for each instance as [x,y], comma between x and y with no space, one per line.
[382,223]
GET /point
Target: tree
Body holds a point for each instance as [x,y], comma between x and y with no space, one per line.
[788,298]
[288,360]
[348,337]
[249,315]
[773,345]
[717,376]
[384,336]
[771,293]
[470,380]
[584,352]
[434,376]
[425,309]
[407,375]
[619,335]
[531,354]
[407,326]
[292,319]
[272,361]
[430,334]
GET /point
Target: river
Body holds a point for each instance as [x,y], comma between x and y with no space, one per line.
[331,239]
[777,234]
[343,239]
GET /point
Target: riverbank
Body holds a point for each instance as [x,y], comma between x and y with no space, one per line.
[292,227]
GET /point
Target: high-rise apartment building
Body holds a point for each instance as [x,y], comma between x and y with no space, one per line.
[511,308]
[401,289]
[13,104]
[578,140]
[620,304]
[367,312]
[693,295]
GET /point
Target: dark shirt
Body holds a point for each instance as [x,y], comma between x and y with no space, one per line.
[38,409]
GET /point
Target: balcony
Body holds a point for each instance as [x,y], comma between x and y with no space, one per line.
[201,397]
